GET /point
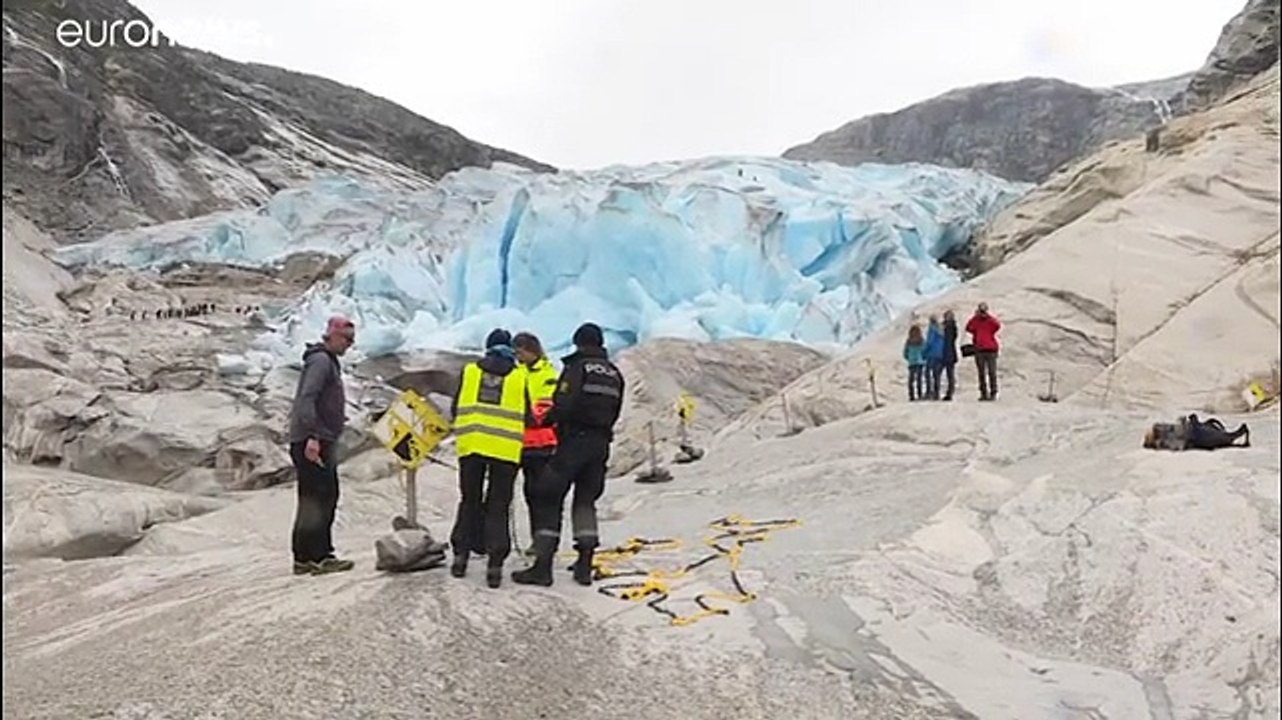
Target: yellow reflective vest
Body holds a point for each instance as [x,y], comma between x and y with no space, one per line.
[490,419]
[541,381]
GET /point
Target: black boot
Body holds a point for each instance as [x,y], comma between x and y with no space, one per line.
[459,568]
[540,573]
[583,568]
[494,576]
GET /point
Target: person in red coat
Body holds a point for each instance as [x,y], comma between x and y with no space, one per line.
[983,328]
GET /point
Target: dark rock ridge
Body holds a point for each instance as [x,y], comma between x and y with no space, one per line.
[1027,129]
[1020,130]
[100,139]
[1248,46]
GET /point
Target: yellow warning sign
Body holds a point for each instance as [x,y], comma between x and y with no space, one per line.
[685,408]
[411,429]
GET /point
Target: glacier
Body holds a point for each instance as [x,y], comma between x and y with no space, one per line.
[705,249]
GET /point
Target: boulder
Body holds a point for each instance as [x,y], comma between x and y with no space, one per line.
[143,438]
[60,514]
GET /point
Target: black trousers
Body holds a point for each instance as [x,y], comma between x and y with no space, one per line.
[533,465]
[934,371]
[986,365]
[317,500]
[579,463]
[485,499]
[950,371]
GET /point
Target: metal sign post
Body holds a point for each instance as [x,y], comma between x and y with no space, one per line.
[411,495]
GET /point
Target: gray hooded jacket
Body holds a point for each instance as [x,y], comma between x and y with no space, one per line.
[319,401]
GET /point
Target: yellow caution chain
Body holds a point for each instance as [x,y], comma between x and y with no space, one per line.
[731,535]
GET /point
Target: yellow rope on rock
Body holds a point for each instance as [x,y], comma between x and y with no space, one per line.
[731,534]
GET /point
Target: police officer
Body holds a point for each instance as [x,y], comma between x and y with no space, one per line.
[585,407]
[540,438]
[489,420]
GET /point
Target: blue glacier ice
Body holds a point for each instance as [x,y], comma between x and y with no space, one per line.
[704,249]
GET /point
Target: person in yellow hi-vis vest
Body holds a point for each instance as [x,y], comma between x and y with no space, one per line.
[540,440]
[490,411]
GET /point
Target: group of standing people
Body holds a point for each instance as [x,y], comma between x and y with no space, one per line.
[932,355]
[188,311]
[513,413]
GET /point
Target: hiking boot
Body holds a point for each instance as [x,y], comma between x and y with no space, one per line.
[583,568]
[494,576]
[304,568]
[459,567]
[332,565]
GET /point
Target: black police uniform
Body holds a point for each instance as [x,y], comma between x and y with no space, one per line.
[585,408]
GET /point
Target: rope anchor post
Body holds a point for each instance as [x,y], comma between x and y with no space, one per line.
[1049,396]
[655,474]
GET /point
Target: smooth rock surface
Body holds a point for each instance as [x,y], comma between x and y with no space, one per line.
[53,513]
[1016,561]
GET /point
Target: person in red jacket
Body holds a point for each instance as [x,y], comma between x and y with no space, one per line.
[983,328]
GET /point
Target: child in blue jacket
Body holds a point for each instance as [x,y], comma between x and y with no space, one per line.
[915,356]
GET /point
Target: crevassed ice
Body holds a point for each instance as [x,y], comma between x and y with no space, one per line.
[706,249]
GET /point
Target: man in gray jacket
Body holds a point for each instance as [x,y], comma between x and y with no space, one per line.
[315,423]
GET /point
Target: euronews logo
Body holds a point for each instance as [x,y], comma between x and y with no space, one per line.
[113,33]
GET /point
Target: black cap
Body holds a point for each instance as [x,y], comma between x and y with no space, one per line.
[498,336]
[589,335]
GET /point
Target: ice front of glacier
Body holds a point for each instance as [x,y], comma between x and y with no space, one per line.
[707,249]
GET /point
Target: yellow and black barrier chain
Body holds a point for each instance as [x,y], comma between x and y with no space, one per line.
[654,587]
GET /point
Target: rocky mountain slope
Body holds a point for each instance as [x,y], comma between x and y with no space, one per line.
[103,139]
[1027,129]
[1021,130]
[1248,45]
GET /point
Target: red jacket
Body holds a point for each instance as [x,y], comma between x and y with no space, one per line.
[983,331]
[539,436]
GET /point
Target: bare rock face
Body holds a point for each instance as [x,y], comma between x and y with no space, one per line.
[430,374]
[1248,46]
[111,138]
[1021,130]
[59,514]
[724,379]
[31,282]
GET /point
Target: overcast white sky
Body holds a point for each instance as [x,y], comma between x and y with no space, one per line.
[587,83]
